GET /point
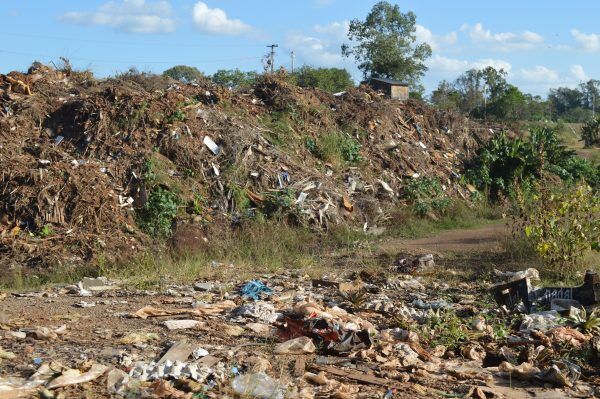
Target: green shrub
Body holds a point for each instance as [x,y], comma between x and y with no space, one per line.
[278,202]
[311,145]
[504,162]
[337,147]
[426,195]
[563,225]
[590,132]
[156,217]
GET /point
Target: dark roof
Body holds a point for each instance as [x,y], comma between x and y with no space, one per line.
[390,81]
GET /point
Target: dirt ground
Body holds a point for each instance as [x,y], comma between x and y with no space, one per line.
[482,239]
[103,334]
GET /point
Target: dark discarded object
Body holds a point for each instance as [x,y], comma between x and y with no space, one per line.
[512,293]
[327,336]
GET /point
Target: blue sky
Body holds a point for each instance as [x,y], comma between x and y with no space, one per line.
[542,44]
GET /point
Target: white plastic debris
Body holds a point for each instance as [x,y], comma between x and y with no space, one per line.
[152,371]
[212,146]
[199,352]
[260,310]
[301,198]
[541,321]
[531,274]
[181,324]
[257,385]
[386,187]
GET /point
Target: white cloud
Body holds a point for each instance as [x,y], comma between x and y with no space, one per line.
[339,30]
[452,67]
[532,37]
[439,64]
[313,49]
[215,21]
[131,16]
[478,34]
[424,35]
[578,73]
[589,42]
[540,79]
[503,41]
[494,63]
[538,74]
[321,45]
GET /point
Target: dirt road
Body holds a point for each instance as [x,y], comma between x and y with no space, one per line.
[481,239]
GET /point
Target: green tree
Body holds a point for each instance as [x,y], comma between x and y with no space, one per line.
[495,81]
[330,79]
[445,96]
[470,87]
[590,92]
[234,77]
[567,103]
[508,105]
[385,44]
[184,73]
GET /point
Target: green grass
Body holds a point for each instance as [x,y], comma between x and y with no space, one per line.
[338,148]
[259,247]
[570,135]
[458,215]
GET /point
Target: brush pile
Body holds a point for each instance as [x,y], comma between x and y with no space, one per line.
[108,168]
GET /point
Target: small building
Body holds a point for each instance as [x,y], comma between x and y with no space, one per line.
[394,89]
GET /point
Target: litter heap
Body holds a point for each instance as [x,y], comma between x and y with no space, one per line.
[82,161]
[355,335]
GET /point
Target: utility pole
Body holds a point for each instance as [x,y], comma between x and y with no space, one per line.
[293,59]
[593,106]
[272,56]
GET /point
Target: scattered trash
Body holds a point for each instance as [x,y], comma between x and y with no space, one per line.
[262,311]
[181,324]
[560,373]
[434,305]
[296,346]
[542,321]
[139,338]
[212,146]
[519,290]
[178,352]
[257,385]
[256,290]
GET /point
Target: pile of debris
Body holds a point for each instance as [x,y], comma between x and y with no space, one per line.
[355,336]
[81,159]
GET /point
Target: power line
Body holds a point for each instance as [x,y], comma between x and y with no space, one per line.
[126,62]
[272,59]
[293,60]
[76,39]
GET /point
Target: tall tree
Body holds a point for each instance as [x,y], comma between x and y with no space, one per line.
[470,86]
[234,77]
[590,91]
[445,96]
[384,44]
[564,100]
[184,73]
[329,79]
